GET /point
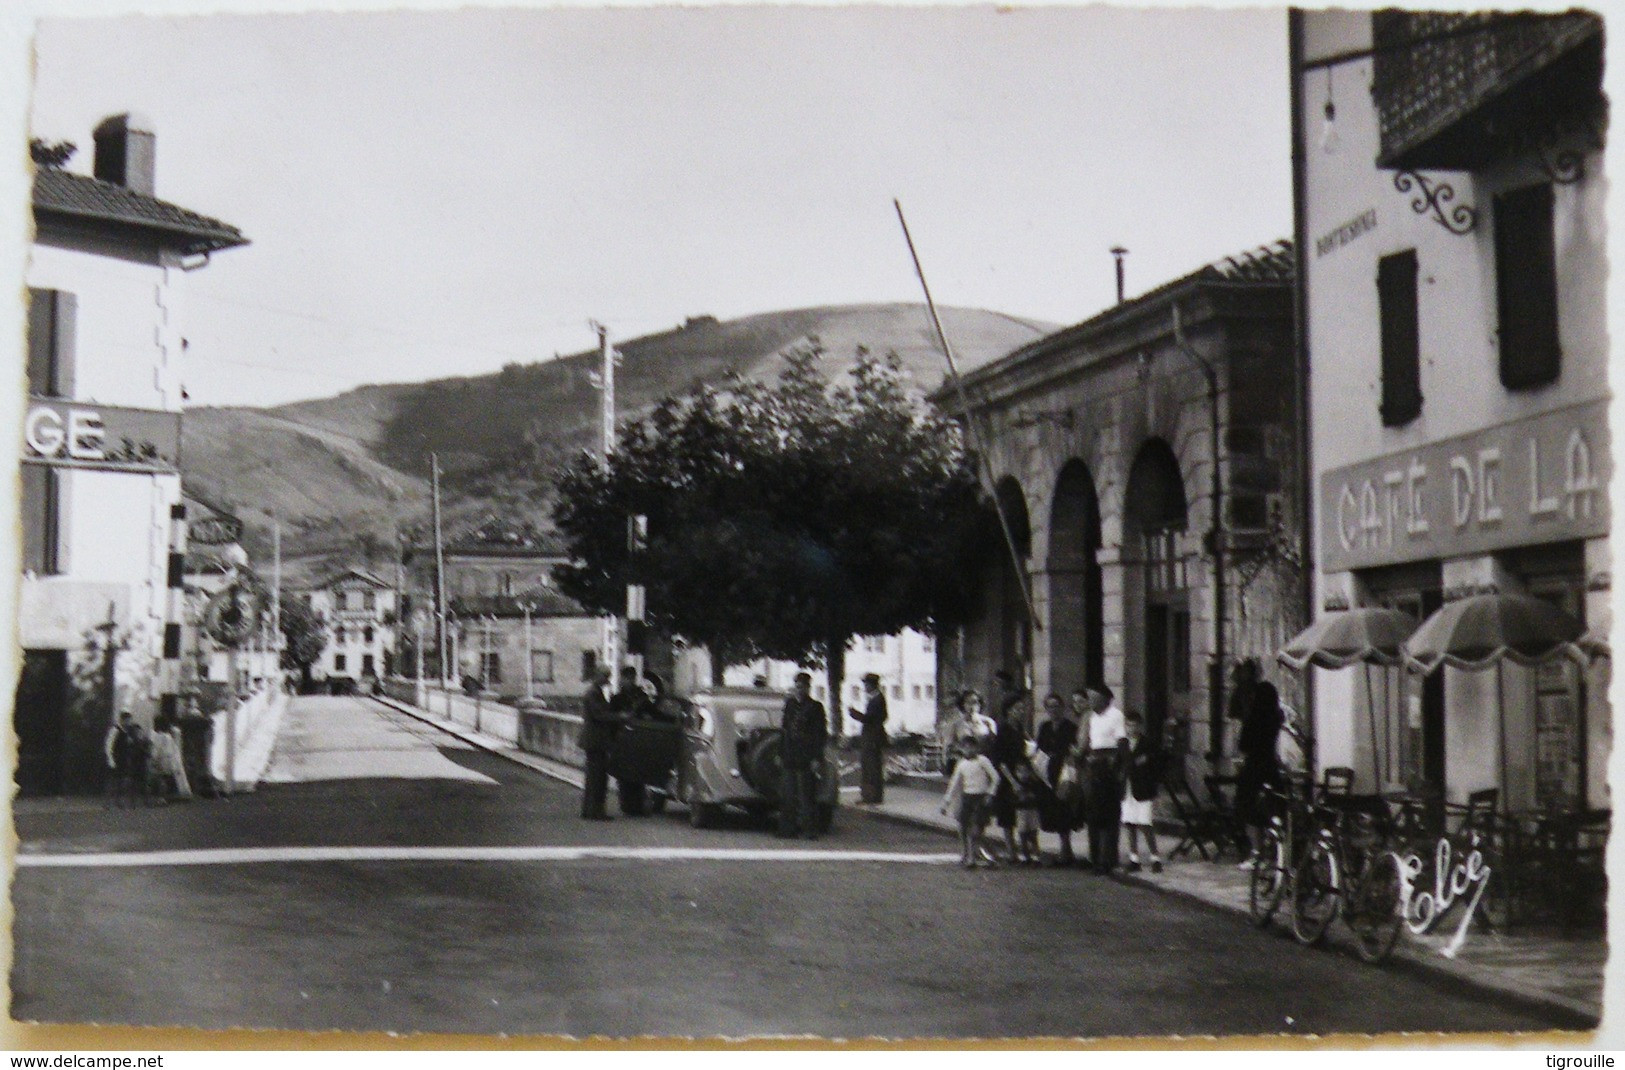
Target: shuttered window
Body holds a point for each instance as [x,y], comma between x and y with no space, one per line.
[42,511]
[1401,339]
[51,343]
[1526,288]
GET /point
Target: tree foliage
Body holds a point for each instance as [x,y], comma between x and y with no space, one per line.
[304,635]
[784,518]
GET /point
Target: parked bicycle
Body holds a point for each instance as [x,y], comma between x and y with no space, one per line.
[1281,847]
[1347,871]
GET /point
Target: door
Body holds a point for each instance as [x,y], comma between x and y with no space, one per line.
[40,720]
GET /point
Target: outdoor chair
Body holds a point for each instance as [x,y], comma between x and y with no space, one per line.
[1202,827]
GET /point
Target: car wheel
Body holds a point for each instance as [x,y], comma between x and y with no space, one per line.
[633,797]
[825,821]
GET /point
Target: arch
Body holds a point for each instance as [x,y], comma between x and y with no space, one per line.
[1014,623]
[1156,593]
[1155,499]
[1077,613]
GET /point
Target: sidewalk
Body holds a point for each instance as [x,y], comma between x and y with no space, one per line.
[1564,974]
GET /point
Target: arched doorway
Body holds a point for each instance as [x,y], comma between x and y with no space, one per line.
[1015,639]
[1076,616]
[1154,516]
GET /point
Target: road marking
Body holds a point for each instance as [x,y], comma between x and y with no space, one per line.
[238,856]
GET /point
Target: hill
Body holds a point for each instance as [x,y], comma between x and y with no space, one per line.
[347,473]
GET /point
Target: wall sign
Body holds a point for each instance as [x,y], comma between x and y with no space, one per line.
[1338,237]
[1541,479]
[215,530]
[72,434]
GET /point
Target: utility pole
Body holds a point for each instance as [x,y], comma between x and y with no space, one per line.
[276,593]
[417,647]
[439,569]
[606,383]
[529,657]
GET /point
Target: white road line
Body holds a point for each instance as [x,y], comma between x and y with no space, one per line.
[238,856]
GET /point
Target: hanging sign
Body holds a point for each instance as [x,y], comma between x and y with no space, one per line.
[215,530]
[1541,479]
[72,434]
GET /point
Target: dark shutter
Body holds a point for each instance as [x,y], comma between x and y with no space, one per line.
[41,527]
[1401,339]
[51,343]
[1526,287]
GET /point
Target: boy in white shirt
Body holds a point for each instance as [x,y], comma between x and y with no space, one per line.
[971,788]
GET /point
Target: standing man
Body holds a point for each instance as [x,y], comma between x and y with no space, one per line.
[801,752]
[599,723]
[872,742]
[1102,742]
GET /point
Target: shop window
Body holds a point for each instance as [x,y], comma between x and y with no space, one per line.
[1526,288]
[541,666]
[42,516]
[51,316]
[1401,339]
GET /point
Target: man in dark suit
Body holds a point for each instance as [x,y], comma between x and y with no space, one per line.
[600,720]
[872,742]
[801,753]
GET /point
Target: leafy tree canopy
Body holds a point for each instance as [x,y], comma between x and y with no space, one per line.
[304,634]
[784,518]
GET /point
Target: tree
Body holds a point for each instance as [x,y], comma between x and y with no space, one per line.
[784,518]
[53,156]
[304,637]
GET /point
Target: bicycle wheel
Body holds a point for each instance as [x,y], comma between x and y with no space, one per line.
[1269,879]
[1314,894]
[1374,912]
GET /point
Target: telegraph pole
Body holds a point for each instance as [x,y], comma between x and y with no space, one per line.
[439,569]
[606,383]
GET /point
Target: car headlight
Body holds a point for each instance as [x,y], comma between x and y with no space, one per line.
[703,721]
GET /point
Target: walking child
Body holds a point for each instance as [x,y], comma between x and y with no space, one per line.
[970,789]
[1144,775]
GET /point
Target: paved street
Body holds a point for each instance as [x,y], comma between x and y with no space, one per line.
[495,910]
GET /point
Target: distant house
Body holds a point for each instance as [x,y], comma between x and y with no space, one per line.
[103,525]
[360,612]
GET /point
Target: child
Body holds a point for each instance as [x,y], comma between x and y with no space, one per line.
[1144,774]
[971,788]
[1032,794]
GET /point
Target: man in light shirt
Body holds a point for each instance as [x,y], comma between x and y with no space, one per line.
[1101,741]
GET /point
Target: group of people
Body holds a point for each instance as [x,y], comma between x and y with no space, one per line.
[144,766]
[1089,765]
[605,711]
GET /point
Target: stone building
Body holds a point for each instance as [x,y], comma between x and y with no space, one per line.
[1101,440]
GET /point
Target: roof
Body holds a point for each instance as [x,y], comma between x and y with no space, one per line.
[1266,267]
[543,602]
[63,193]
[356,573]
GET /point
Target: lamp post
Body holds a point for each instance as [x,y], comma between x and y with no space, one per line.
[529,656]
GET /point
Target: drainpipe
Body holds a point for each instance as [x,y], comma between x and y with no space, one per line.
[1300,368]
[1215,539]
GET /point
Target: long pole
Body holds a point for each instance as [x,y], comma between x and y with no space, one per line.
[970,425]
[417,626]
[1300,363]
[529,657]
[606,352]
[441,638]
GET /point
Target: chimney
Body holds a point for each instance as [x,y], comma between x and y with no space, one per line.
[127,152]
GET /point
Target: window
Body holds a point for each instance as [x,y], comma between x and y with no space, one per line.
[897,692]
[931,692]
[928,643]
[1526,288]
[1401,339]
[368,601]
[491,667]
[51,343]
[541,666]
[589,664]
[42,518]
[916,692]
[366,634]
[338,662]
[367,666]
[338,634]
[874,644]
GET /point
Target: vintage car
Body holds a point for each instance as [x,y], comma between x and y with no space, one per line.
[644,760]
[730,756]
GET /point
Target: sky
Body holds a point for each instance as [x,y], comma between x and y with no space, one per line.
[434,193]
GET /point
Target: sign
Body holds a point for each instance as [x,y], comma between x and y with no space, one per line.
[1338,237]
[1453,876]
[215,530]
[72,434]
[1542,479]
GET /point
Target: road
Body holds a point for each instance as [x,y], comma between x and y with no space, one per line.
[391,877]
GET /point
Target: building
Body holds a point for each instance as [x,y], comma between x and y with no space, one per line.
[507,624]
[360,611]
[1450,197]
[906,664]
[1101,439]
[100,612]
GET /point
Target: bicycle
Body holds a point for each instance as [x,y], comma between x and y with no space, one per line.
[1347,871]
[1281,846]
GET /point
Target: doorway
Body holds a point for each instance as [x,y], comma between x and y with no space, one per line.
[41,720]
